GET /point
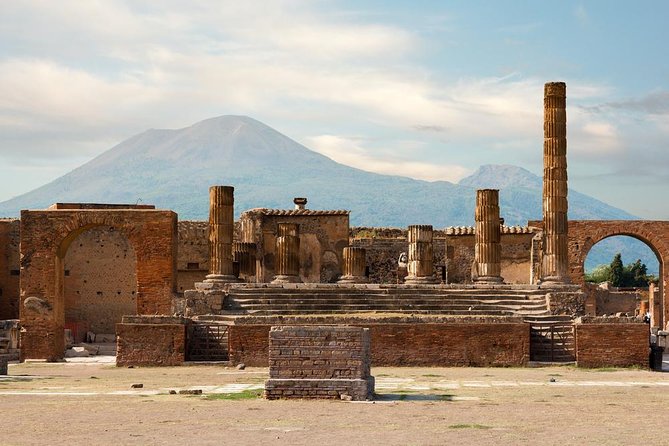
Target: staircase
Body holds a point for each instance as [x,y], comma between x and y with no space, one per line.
[552,339]
[270,301]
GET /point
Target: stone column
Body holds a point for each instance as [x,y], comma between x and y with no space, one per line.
[287,257]
[354,265]
[488,249]
[244,254]
[420,267]
[555,259]
[221,229]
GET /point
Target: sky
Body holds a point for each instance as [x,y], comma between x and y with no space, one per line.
[426,89]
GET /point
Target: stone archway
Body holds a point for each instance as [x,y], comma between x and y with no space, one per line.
[584,234]
[45,238]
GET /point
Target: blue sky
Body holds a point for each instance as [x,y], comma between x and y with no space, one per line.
[425,89]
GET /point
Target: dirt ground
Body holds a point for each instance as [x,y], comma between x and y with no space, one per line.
[94,404]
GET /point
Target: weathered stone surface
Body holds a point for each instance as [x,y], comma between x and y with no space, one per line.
[221,231]
[287,253]
[354,265]
[555,254]
[45,239]
[420,267]
[611,342]
[488,249]
[322,362]
[151,344]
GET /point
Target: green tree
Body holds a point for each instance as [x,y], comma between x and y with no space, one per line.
[616,272]
[599,274]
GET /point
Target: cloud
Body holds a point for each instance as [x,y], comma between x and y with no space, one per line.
[349,151]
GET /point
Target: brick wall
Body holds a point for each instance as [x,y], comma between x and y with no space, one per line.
[46,237]
[603,343]
[319,362]
[153,343]
[9,269]
[100,282]
[409,342]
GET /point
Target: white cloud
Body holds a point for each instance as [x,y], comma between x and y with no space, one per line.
[349,151]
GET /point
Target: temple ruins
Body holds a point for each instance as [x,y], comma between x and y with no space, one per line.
[239,291]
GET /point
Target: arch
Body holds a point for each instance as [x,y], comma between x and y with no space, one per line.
[584,234]
[45,238]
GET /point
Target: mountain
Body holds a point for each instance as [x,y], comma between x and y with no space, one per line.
[173,169]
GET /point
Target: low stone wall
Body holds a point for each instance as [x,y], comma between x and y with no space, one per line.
[611,342]
[405,341]
[151,341]
[324,362]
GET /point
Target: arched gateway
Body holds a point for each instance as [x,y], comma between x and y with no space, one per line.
[584,234]
[45,238]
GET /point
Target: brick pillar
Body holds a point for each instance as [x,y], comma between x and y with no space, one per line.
[287,258]
[555,259]
[244,254]
[354,265]
[221,229]
[420,266]
[488,249]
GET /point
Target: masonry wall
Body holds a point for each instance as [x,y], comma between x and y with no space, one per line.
[612,342]
[323,236]
[100,281]
[9,268]
[46,237]
[454,251]
[193,254]
[151,341]
[462,342]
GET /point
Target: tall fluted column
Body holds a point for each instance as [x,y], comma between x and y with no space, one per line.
[221,229]
[244,254]
[354,265]
[555,260]
[488,249]
[287,258]
[420,267]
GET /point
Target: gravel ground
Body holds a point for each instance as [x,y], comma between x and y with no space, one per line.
[95,404]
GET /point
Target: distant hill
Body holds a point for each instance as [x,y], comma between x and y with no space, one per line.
[173,169]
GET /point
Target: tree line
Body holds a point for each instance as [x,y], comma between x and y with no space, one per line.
[621,276]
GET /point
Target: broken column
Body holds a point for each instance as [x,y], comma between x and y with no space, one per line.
[555,260]
[354,265]
[287,257]
[221,229]
[244,254]
[488,249]
[420,265]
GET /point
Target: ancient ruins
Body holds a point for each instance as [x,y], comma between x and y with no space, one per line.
[168,292]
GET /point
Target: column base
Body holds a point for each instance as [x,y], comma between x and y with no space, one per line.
[488,279]
[554,280]
[282,278]
[420,280]
[352,279]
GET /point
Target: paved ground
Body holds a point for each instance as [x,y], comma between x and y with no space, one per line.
[93,403]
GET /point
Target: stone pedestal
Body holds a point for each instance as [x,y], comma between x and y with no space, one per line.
[287,256]
[420,266]
[555,259]
[354,265]
[221,230]
[244,254]
[488,249]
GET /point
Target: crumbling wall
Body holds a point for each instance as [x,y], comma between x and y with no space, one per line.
[9,268]
[193,254]
[100,281]
[323,236]
[453,248]
[151,341]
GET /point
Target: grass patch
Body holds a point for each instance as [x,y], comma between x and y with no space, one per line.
[249,394]
[554,374]
[469,426]
[431,375]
